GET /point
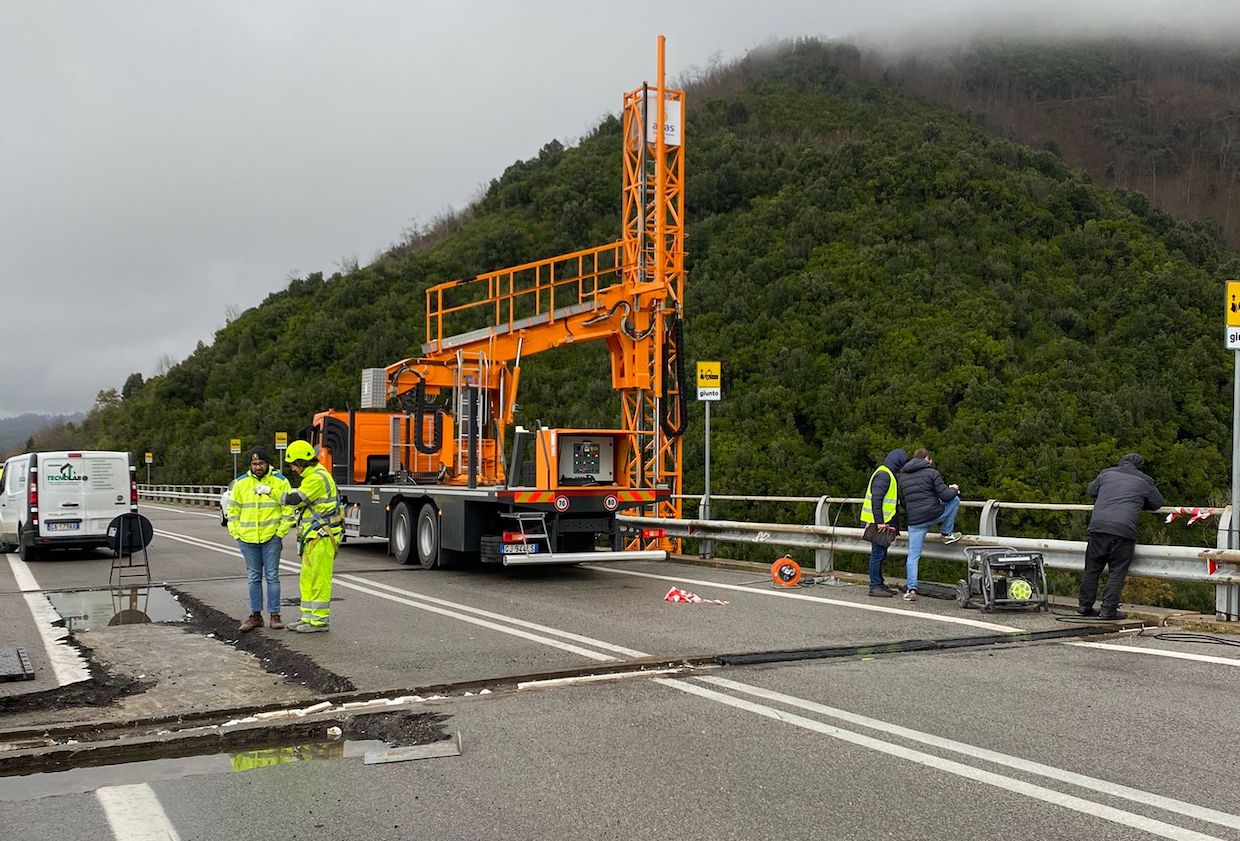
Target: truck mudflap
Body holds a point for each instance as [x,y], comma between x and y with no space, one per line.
[582,557]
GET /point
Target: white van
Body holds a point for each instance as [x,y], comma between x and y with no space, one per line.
[63,500]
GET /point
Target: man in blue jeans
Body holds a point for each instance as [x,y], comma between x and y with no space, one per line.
[928,502]
[879,508]
[258,521]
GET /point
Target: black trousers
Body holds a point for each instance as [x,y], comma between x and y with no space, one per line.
[1106,551]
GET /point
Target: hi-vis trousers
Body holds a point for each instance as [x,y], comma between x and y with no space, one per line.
[318,557]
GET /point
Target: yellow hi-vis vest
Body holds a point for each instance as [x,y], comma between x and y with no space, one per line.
[255,517]
[889,501]
[321,515]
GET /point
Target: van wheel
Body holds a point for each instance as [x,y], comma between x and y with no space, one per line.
[428,537]
[28,553]
[401,535]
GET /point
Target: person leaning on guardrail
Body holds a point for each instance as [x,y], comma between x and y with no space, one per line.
[928,501]
[1121,493]
[879,509]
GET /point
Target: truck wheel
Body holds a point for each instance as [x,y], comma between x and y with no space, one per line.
[401,539]
[428,537]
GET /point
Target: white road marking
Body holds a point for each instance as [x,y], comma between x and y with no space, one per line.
[132,811]
[67,664]
[1091,783]
[1078,804]
[534,626]
[134,814]
[1067,801]
[789,594]
[1159,652]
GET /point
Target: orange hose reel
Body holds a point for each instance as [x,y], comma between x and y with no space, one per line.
[786,572]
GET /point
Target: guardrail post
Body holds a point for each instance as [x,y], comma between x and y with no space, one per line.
[706,548]
[824,559]
[989,521]
[1226,596]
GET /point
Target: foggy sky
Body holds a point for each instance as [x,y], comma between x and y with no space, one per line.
[164,164]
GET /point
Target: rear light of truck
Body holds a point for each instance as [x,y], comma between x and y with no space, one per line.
[650,534]
[513,537]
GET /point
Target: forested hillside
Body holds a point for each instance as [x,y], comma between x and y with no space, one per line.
[872,270]
[1161,118]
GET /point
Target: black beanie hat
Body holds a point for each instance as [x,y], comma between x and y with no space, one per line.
[260,453]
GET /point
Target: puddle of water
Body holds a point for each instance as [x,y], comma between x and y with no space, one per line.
[85,610]
[82,780]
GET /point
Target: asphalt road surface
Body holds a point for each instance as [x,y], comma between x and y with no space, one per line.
[1127,736]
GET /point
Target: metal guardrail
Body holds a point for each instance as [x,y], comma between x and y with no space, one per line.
[1170,561]
[191,494]
[1166,561]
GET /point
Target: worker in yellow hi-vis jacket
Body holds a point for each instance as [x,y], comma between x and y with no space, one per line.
[318,518]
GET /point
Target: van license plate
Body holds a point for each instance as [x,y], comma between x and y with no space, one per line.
[519,549]
[62,526]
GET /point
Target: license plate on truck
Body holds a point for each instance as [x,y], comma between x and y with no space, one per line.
[519,549]
[62,526]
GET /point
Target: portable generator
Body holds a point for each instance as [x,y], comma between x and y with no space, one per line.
[1001,578]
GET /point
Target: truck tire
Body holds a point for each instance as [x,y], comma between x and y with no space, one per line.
[428,537]
[401,535]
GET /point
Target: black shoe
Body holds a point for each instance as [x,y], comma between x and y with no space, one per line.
[1088,611]
[880,592]
[1112,616]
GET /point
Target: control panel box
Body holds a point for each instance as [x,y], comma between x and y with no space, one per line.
[590,458]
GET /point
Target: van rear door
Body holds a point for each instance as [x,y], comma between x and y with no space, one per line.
[81,492]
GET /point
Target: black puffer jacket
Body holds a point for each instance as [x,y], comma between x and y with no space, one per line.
[1122,493]
[924,492]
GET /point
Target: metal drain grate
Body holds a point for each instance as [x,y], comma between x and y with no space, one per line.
[15,665]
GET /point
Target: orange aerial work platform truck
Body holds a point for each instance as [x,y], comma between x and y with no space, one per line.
[432,460]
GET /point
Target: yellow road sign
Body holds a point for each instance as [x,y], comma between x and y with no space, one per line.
[709,380]
[150,457]
[1231,306]
[281,440]
[234,445]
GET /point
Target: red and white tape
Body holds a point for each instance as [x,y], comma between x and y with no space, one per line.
[1194,512]
[685,597]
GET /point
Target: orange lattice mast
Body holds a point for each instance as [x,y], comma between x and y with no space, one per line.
[648,356]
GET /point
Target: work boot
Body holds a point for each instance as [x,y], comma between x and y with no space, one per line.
[254,620]
[274,623]
[1088,611]
[880,592]
[1111,615]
